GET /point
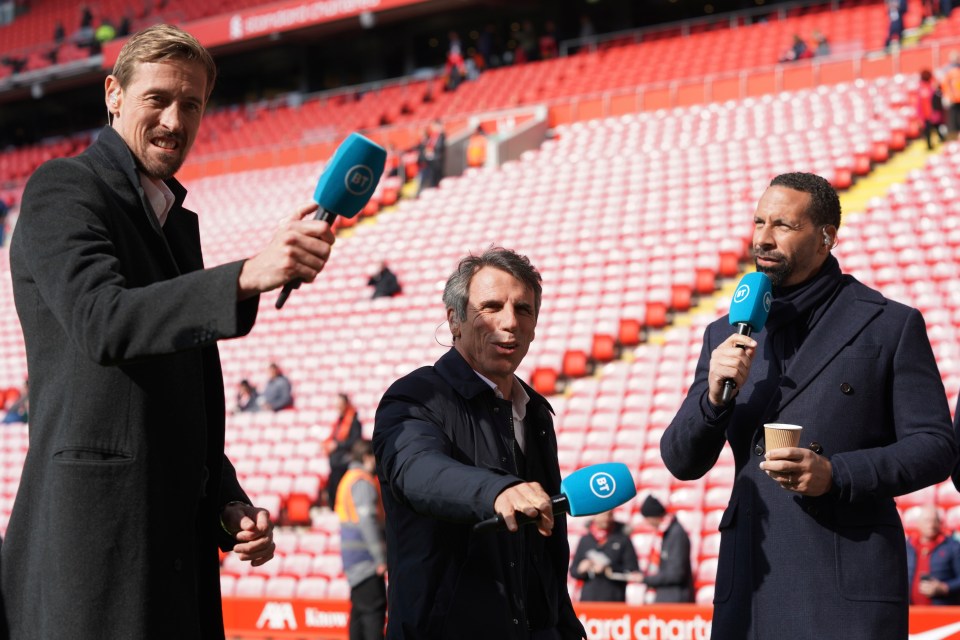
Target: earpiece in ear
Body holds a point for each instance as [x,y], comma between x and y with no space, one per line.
[114,98]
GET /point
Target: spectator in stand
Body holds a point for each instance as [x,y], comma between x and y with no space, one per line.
[605,561]
[84,35]
[277,392]
[123,29]
[247,397]
[951,93]
[821,44]
[346,431]
[797,51]
[587,34]
[477,148]
[487,47]
[667,572]
[548,41]
[59,34]
[362,544]
[384,282]
[933,562]
[930,106]
[895,12]
[527,50]
[104,34]
[431,156]
[20,409]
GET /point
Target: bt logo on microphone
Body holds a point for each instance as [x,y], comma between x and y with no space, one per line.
[602,484]
[742,293]
[359,179]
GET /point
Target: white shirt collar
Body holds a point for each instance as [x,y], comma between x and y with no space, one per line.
[160,196]
[519,395]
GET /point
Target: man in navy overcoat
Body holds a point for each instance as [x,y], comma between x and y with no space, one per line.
[811,542]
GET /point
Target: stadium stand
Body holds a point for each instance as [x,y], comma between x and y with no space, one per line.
[637,223]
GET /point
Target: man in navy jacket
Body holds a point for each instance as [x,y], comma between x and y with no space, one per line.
[933,562]
[459,442]
[811,543]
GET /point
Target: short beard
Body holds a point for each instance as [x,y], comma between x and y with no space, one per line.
[779,274]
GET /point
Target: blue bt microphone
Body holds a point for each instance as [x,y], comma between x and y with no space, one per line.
[748,312]
[345,187]
[585,492]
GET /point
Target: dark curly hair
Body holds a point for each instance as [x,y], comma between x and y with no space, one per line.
[824,202]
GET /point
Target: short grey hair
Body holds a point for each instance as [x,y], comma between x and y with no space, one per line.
[456,293]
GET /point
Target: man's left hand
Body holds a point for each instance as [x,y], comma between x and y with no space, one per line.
[799,470]
[931,587]
[253,532]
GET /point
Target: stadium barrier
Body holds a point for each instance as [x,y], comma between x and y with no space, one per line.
[329,619]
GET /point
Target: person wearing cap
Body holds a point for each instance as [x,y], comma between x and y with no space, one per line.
[668,572]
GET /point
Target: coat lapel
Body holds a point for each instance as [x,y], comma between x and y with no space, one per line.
[847,316]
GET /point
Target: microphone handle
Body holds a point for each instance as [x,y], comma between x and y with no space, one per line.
[322,215]
[497,523]
[729,385]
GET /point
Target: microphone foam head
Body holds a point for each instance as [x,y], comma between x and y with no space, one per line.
[751,301]
[351,176]
[598,488]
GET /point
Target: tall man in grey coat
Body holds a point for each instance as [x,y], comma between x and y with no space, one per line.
[811,542]
[126,492]
[459,442]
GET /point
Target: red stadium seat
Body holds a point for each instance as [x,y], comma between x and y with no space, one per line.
[604,348]
[575,364]
[544,381]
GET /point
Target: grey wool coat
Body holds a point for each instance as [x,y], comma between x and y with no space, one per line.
[115,527]
[865,386]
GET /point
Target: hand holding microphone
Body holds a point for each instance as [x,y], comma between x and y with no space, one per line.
[585,492]
[300,248]
[748,313]
[345,186]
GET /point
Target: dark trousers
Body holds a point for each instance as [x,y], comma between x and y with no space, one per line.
[368,609]
[928,129]
[953,118]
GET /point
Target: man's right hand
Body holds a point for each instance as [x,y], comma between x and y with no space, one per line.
[530,499]
[729,362]
[299,249]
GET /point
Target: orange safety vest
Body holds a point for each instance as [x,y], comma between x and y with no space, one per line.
[951,85]
[477,150]
[346,510]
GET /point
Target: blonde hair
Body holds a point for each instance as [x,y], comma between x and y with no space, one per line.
[160,43]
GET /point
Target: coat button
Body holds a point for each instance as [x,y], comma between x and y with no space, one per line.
[758,450]
[515,621]
[496,409]
[846,389]
[503,459]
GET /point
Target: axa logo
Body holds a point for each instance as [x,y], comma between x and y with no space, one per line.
[277,615]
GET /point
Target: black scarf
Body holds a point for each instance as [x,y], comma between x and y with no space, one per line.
[797,309]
